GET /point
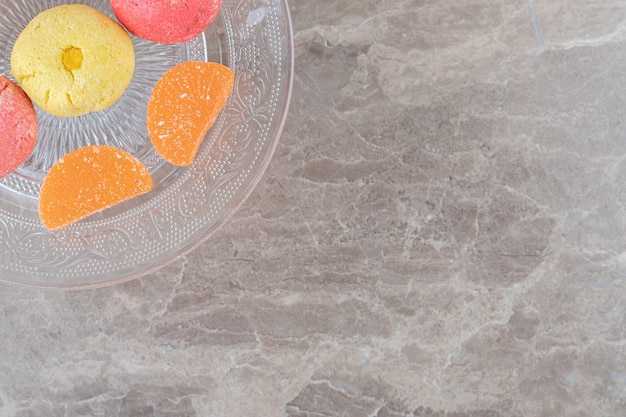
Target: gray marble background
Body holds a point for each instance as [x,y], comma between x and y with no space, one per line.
[441,233]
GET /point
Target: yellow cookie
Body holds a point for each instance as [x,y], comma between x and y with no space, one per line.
[73,60]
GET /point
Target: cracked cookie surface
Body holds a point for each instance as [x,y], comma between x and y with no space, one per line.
[72,60]
[18,126]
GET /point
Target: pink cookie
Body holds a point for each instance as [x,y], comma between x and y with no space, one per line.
[18,126]
[166,21]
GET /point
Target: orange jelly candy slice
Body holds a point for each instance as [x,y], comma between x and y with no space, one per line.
[184,105]
[88,180]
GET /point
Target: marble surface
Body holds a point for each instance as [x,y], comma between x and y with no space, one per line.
[441,233]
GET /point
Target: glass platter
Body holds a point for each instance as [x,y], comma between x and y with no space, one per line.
[187,205]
